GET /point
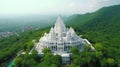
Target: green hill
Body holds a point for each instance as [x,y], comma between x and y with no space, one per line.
[106,17]
[105,21]
[102,26]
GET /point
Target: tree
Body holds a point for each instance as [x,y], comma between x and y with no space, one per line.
[30,45]
[99,54]
[111,63]
[53,65]
[46,50]
[30,63]
[56,60]
[98,46]
[73,65]
[18,62]
[103,62]
[74,50]
[34,52]
[47,59]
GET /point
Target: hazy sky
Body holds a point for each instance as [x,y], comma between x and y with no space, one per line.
[52,6]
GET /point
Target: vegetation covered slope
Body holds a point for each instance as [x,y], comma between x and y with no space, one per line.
[9,47]
[102,26]
[106,18]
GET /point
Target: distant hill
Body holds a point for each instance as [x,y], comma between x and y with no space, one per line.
[107,18]
[16,23]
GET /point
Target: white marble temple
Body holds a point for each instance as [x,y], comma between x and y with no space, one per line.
[60,39]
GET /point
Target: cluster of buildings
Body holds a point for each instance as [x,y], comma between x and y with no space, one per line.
[7,34]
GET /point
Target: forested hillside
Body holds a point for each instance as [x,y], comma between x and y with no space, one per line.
[102,26]
[9,47]
[104,16]
[105,24]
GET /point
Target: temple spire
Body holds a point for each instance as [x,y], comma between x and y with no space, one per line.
[59,25]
